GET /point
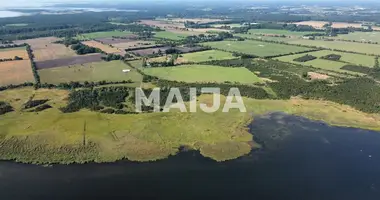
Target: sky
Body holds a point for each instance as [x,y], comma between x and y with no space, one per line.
[38,3]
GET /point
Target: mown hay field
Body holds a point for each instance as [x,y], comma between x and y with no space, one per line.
[98,71]
[278,32]
[12,52]
[103,47]
[256,48]
[15,72]
[134,44]
[52,52]
[204,73]
[105,34]
[46,49]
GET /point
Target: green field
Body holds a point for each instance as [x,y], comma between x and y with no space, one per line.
[340,45]
[203,56]
[257,48]
[99,71]
[95,35]
[331,65]
[204,73]
[361,36]
[278,32]
[267,38]
[51,136]
[12,49]
[171,35]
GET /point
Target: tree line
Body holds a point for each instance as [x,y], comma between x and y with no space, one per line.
[34,66]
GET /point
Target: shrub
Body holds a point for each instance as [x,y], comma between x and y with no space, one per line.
[305,58]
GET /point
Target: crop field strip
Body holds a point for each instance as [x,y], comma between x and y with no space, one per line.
[75,60]
[257,48]
[103,47]
[12,52]
[45,49]
[106,34]
[91,72]
[204,73]
[352,47]
[15,72]
[278,32]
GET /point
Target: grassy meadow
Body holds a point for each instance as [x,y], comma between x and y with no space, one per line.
[170,35]
[203,56]
[53,137]
[278,32]
[347,58]
[341,45]
[107,34]
[257,48]
[204,73]
[267,38]
[99,71]
[361,36]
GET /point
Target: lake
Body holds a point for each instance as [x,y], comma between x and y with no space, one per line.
[301,159]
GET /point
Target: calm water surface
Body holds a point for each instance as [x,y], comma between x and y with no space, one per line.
[301,160]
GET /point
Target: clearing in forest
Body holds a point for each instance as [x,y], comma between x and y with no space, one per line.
[98,71]
[204,73]
[15,72]
[256,48]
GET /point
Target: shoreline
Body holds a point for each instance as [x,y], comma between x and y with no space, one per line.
[51,137]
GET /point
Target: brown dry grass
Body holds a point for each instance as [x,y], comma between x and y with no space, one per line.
[196,20]
[133,44]
[101,46]
[176,27]
[12,53]
[45,49]
[317,76]
[320,24]
[15,72]
[162,24]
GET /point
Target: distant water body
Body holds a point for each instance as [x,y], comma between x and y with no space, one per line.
[301,159]
[4,13]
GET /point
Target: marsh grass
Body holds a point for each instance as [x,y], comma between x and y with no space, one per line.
[85,136]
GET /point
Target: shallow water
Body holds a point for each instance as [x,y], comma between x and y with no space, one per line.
[301,160]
